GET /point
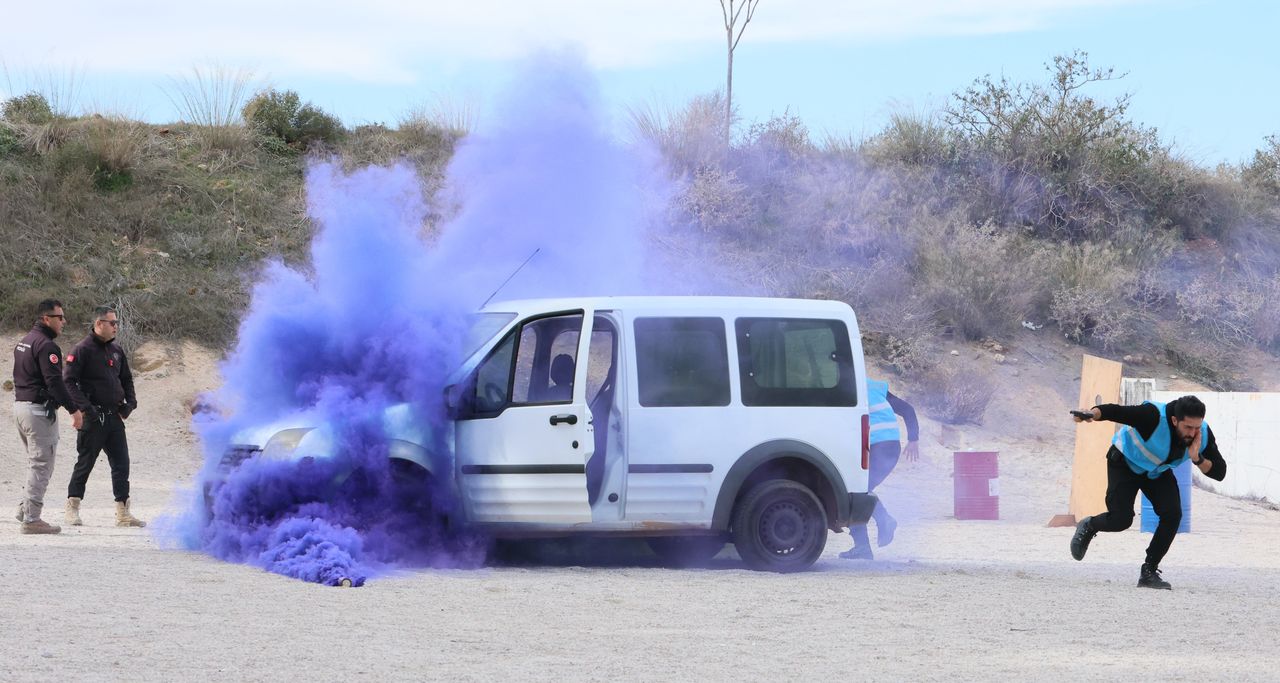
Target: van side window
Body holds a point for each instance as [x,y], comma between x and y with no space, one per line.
[795,362]
[682,362]
[535,363]
[547,360]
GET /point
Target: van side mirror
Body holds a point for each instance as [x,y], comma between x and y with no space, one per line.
[453,399]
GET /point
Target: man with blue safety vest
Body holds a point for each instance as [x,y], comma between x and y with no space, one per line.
[1154,440]
[886,446]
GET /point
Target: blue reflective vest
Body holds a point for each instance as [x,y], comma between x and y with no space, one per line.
[1147,456]
[884,422]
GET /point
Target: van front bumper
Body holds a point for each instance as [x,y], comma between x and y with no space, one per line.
[860,507]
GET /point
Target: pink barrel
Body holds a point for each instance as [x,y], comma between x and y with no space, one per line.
[977,485]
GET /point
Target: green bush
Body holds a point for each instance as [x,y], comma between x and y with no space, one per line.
[283,115]
[1263,172]
[10,143]
[29,108]
[1051,157]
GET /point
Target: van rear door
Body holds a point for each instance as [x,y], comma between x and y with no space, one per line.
[524,432]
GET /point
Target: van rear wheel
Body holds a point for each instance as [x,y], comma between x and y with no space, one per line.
[779,526]
[686,551]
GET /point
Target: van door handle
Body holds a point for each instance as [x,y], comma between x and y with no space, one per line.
[570,419]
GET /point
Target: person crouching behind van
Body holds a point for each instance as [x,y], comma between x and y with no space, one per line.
[886,447]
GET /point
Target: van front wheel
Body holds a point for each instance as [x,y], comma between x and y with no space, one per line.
[779,526]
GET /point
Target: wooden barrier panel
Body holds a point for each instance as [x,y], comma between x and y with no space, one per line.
[1099,383]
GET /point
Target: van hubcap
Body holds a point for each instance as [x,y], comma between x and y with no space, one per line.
[783,528]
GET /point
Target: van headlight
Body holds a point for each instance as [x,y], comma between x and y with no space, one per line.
[282,445]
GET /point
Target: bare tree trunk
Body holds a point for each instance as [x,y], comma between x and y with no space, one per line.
[731,16]
[728,91]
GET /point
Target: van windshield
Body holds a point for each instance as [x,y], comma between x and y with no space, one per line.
[483,328]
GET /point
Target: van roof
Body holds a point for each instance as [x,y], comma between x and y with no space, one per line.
[637,304]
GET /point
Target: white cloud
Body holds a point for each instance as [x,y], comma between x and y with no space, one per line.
[386,41]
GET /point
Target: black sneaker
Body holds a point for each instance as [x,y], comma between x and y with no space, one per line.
[1150,578]
[1080,541]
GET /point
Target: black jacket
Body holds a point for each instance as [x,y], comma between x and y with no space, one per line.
[98,377]
[1146,417]
[37,370]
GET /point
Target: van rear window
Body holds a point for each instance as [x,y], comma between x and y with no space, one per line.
[795,362]
[682,362]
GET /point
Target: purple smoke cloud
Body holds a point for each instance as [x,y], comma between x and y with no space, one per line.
[380,320]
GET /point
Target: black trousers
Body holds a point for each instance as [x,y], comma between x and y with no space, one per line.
[1122,490]
[94,438]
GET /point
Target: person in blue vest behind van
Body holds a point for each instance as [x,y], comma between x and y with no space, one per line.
[1155,439]
[886,447]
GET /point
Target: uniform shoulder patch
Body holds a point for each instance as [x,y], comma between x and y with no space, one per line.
[53,358]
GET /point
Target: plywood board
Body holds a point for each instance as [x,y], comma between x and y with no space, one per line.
[1099,383]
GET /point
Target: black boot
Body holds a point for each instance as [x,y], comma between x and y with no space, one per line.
[1080,541]
[1150,578]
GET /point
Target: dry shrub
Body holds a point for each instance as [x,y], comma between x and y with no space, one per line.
[1212,363]
[211,99]
[41,139]
[896,325]
[689,138]
[1265,324]
[956,392]
[103,151]
[712,199]
[116,143]
[900,331]
[1087,316]
[1092,300]
[982,283]
[1225,310]
[453,118]
[233,139]
[914,139]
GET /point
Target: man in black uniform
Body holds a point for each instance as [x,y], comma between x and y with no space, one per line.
[38,392]
[1155,439]
[101,385]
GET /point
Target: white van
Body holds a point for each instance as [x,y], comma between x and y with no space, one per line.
[690,421]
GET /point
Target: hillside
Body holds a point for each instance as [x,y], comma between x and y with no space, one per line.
[1018,211]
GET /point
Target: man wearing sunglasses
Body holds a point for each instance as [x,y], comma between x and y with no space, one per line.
[38,392]
[101,385]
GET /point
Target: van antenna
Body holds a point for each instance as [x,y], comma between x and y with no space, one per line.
[513,274]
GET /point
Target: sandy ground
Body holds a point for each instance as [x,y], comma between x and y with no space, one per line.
[949,599]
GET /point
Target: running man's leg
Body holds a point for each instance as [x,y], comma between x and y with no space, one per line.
[1166,502]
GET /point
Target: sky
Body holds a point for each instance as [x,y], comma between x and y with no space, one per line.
[1204,73]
